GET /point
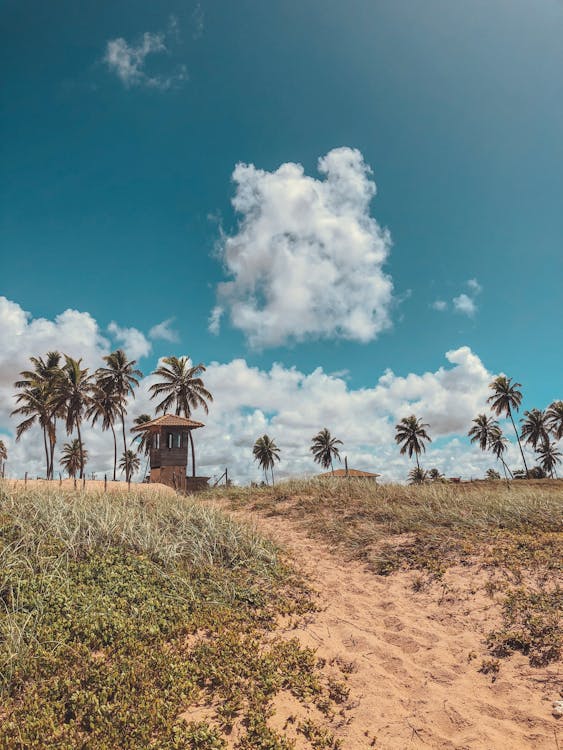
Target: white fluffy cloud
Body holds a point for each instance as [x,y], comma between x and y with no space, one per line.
[464,303]
[163,331]
[440,305]
[307,258]
[128,61]
[133,341]
[290,405]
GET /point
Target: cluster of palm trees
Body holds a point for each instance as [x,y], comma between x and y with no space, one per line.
[537,429]
[323,447]
[59,388]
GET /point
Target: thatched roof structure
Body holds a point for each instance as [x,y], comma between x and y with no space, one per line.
[167,420]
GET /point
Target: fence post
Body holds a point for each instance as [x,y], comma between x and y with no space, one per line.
[25,480]
[105,482]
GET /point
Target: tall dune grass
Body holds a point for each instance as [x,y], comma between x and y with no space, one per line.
[166,527]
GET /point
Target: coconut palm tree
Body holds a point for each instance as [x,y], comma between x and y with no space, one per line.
[411,433]
[481,431]
[73,458]
[145,439]
[35,404]
[534,427]
[324,449]
[417,475]
[183,390]
[121,376]
[505,399]
[554,419]
[43,376]
[129,464]
[549,456]
[492,475]
[3,457]
[106,405]
[497,444]
[73,395]
[266,452]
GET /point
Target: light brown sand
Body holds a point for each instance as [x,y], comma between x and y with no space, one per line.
[416,657]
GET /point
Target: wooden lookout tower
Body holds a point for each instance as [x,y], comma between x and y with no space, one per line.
[169,441]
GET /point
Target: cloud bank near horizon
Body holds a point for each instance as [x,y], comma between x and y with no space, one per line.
[306,260]
[288,404]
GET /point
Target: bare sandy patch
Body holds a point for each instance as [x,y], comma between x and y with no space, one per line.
[411,658]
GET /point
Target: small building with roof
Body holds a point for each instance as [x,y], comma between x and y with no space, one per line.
[349,474]
[170,438]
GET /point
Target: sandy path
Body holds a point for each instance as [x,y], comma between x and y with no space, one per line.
[416,657]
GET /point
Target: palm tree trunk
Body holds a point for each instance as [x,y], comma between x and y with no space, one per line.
[53,443]
[114,452]
[81,450]
[417,464]
[125,445]
[193,452]
[506,468]
[519,443]
[273,483]
[505,474]
[46,450]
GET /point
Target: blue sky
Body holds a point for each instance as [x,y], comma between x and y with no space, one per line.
[117,192]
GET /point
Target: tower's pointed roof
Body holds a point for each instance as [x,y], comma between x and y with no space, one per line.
[167,420]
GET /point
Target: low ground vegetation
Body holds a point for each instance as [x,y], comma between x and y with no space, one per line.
[122,616]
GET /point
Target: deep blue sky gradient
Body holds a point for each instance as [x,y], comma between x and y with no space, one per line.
[111,197]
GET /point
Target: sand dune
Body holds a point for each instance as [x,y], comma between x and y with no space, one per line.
[413,658]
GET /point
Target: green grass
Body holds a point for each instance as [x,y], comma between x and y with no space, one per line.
[117,614]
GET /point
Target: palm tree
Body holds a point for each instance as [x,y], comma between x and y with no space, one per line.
[43,376]
[73,458]
[497,444]
[417,475]
[505,398]
[266,452]
[554,419]
[144,439]
[435,475]
[411,432]
[121,376]
[492,475]
[483,426]
[3,457]
[324,449]
[183,390]
[549,456]
[129,464]
[35,404]
[534,427]
[73,395]
[106,405]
